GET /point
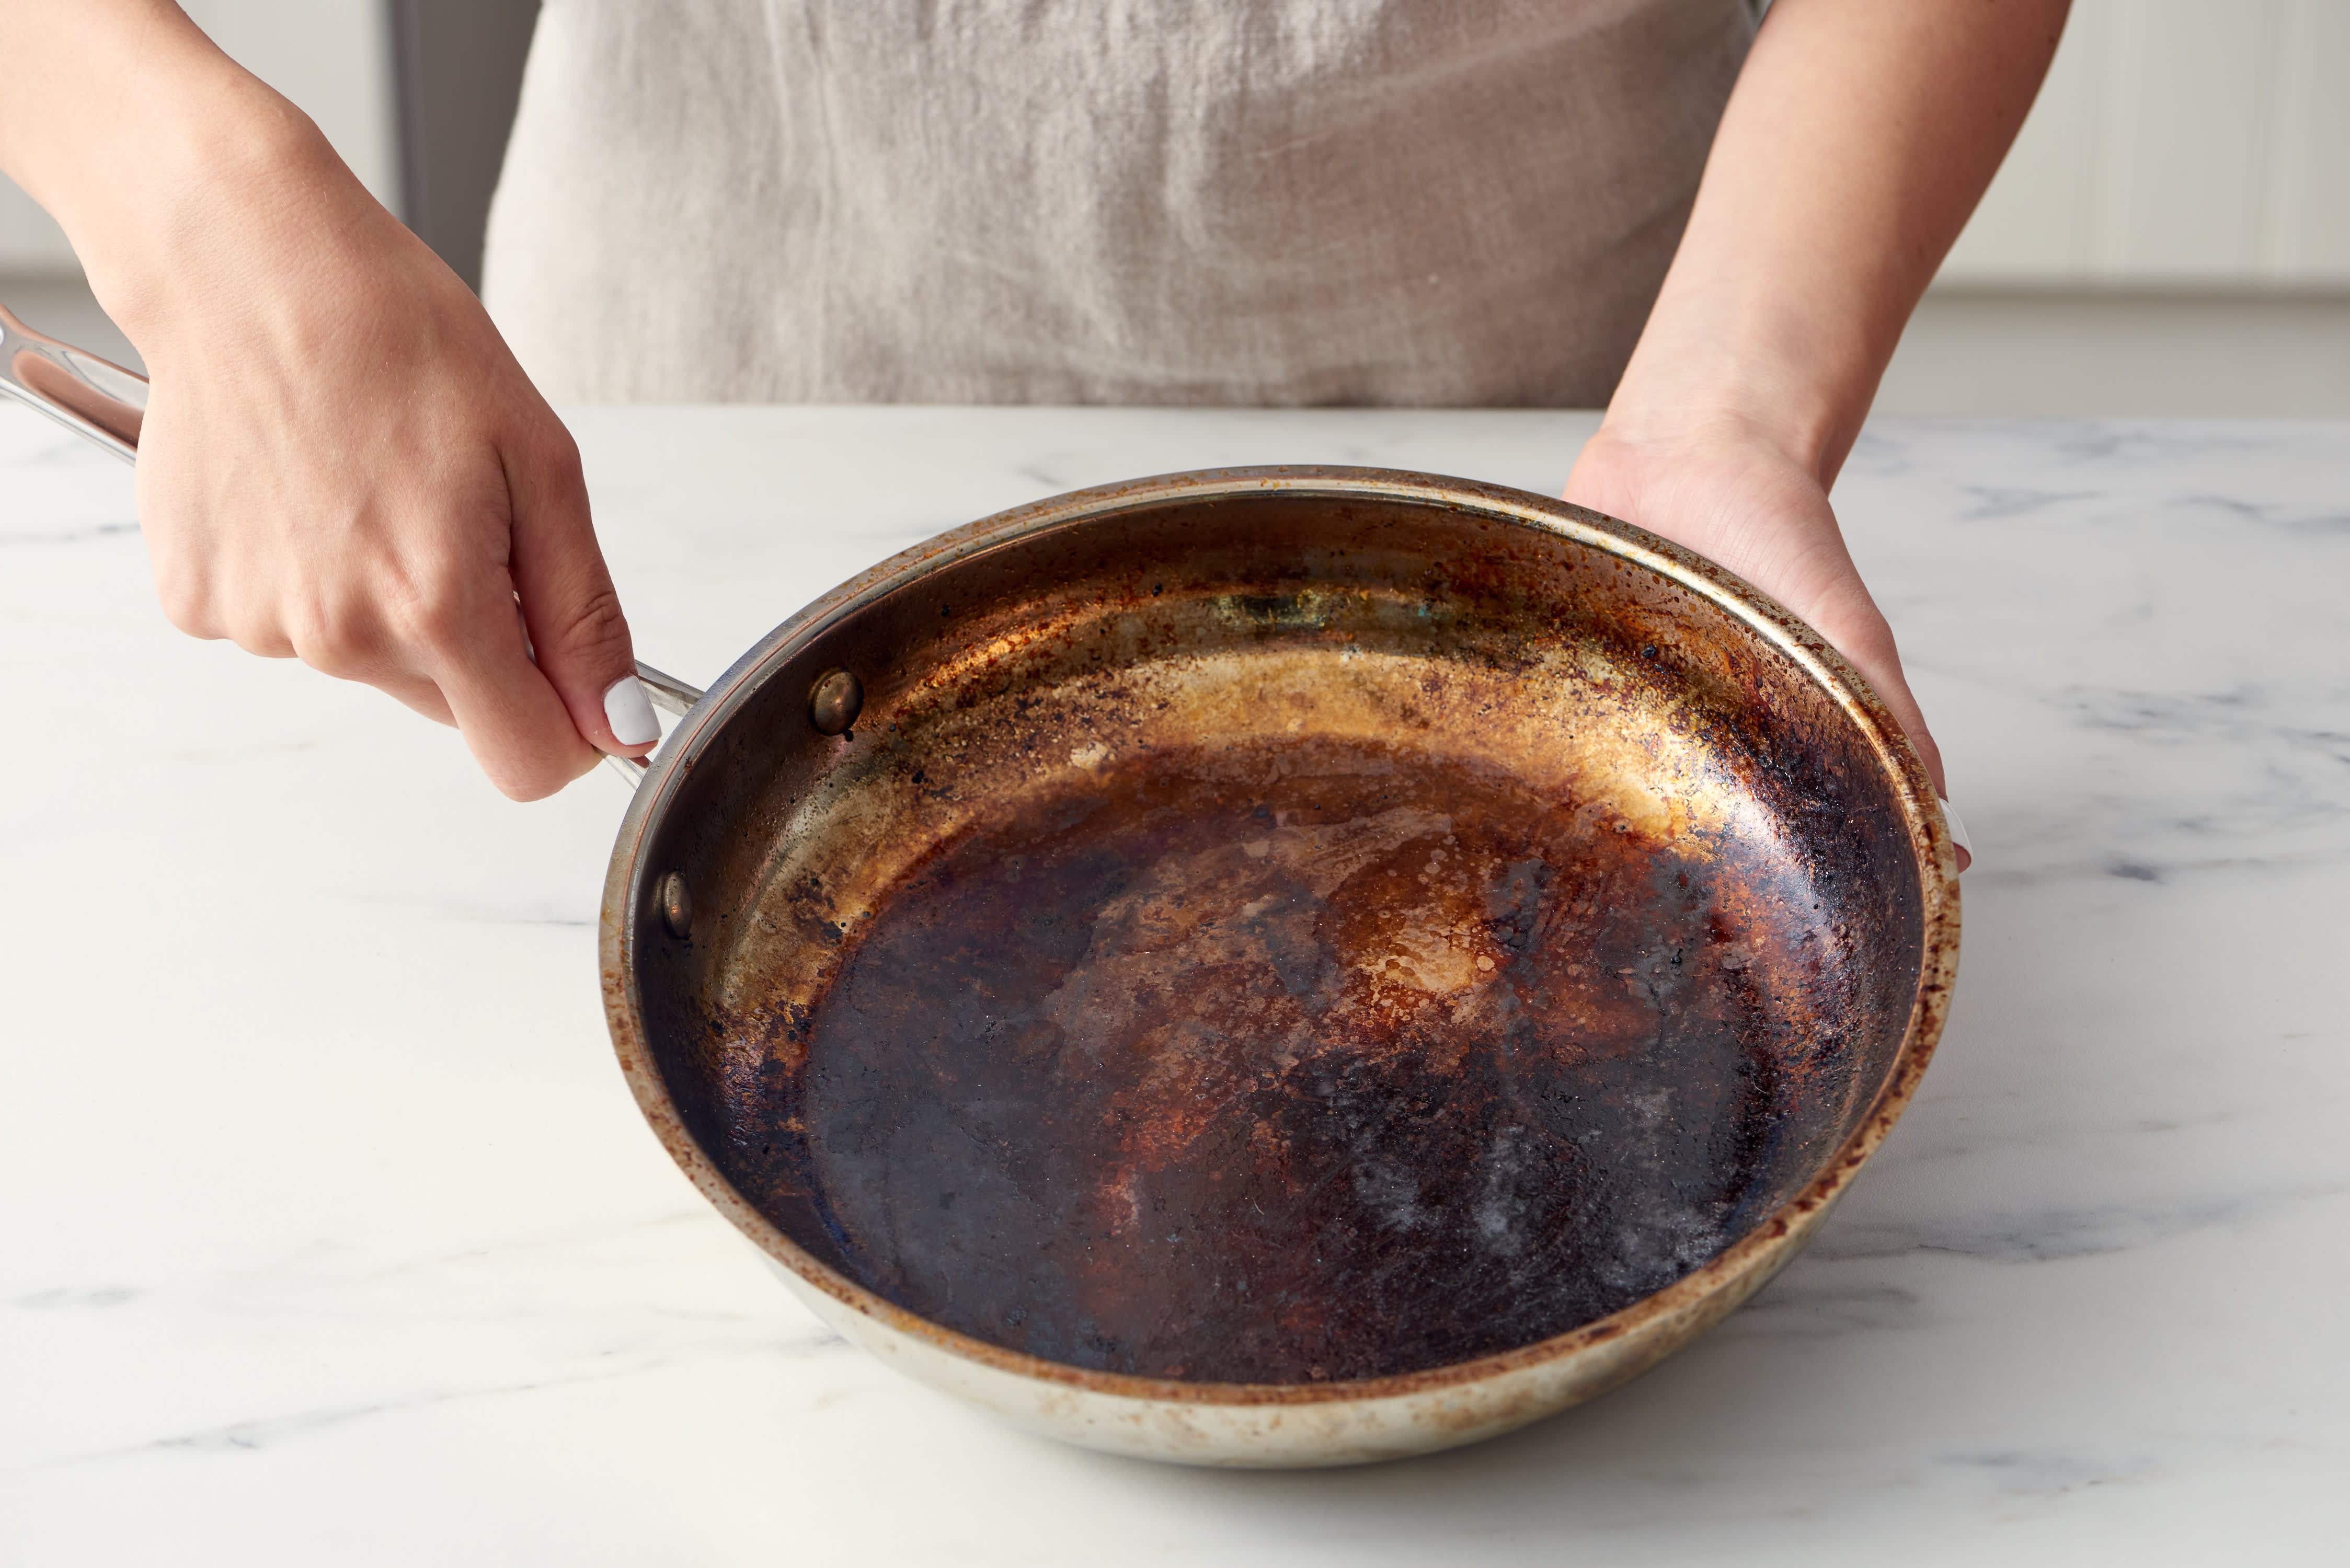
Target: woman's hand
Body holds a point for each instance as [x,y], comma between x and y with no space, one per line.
[341,462]
[1728,493]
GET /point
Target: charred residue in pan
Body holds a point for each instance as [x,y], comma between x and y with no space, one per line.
[1284,1065]
[1311,977]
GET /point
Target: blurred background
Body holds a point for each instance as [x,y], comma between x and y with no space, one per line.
[2170,236]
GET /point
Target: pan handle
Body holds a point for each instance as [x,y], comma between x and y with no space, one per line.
[97,400]
[105,405]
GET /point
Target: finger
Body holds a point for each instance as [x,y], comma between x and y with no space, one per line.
[1958,831]
[577,630]
[1883,674]
[1880,666]
[1891,686]
[352,637]
[513,723]
[419,696]
[1871,651]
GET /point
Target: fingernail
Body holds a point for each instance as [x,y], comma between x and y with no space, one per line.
[1956,825]
[629,712]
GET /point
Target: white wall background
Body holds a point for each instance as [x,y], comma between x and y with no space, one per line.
[331,58]
[2179,143]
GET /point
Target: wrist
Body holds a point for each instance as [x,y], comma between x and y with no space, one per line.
[219,180]
[1759,340]
[1744,382]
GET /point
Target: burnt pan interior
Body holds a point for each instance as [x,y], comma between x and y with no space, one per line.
[1281,938]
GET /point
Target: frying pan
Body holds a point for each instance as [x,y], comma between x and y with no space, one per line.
[1278,966]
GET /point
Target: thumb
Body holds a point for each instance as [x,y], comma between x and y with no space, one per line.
[577,634]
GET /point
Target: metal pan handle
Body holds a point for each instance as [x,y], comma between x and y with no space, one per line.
[96,398]
[105,405]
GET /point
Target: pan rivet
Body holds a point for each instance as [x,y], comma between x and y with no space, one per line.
[676,906]
[834,702]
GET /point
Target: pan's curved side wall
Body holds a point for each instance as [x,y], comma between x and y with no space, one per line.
[1281,1434]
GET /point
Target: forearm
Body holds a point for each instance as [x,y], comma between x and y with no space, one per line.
[152,148]
[1857,140]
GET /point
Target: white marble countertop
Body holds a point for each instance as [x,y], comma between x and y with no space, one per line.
[329,1233]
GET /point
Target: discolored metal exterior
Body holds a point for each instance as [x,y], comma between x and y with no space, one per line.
[1289,966]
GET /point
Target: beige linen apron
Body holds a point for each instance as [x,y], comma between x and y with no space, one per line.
[1218,202]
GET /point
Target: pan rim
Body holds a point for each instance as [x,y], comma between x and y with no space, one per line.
[1748,1262]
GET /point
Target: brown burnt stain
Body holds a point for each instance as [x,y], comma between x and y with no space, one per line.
[1354,941]
[1312,1063]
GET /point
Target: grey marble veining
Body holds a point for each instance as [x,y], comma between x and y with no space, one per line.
[329,1233]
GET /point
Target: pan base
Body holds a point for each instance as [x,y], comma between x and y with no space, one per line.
[1284,1063]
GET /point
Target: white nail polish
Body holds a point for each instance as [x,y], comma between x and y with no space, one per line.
[1956,825]
[629,712]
